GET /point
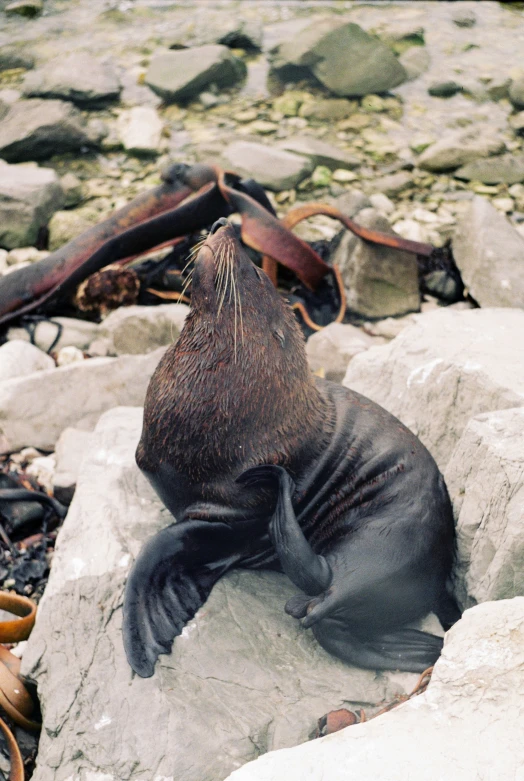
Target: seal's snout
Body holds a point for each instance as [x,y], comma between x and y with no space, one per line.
[221,223]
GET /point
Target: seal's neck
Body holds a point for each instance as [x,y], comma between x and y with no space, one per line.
[223,400]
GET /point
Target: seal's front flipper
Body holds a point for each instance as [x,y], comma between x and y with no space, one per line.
[307,570]
[171,578]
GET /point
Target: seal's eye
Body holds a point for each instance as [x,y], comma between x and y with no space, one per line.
[280,336]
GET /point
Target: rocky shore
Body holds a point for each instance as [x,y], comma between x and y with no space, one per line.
[422,136]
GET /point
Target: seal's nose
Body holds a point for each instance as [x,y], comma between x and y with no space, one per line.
[221,223]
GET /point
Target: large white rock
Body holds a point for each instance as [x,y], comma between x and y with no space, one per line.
[467,725]
[35,410]
[140,130]
[443,369]
[243,677]
[485,478]
[71,331]
[20,359]
[332,348]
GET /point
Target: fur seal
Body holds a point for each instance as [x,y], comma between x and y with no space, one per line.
[266,466]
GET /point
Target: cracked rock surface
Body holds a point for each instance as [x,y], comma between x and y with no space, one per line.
[242,679]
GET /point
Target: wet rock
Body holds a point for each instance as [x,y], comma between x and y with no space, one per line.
[134,330]
[329,109]
[415,61]
[489,254]
[20,359]
[36,409]
[67,225]
[460,147]
[444,89]
[72,446]
[332,348]
[28,8]
[506,169]
[485,477]
[379,281]
[72,332]
[319,152]
[516,92]
[225,678]
[181,75]
[79,77]
[37,129]
[28,198]
[140,130]
[445,368]
[476,690]
[343,57]
[273,168]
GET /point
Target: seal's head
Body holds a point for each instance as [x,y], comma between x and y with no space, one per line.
[236,384]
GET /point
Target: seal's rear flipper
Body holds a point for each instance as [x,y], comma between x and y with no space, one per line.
[409,650]
[171,578]
[306,569]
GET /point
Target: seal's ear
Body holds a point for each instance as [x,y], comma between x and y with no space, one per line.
[170,580]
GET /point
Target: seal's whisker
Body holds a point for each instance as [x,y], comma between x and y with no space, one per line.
[187,282]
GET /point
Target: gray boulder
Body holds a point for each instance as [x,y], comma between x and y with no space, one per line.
[37,129]
[347,60]
[208,25]
[20,359]
[489,253]
[506,169]
[460,147]
[516,92]
[319,152]
[35,410]
[443,369]
[28,198]
[467,725]
[243,677]
[488,501]
[135,330]
[332,348]
[273,168]
[379,281]
[79,77]
[181,75]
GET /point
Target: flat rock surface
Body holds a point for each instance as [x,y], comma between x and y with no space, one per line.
[180,75]
[20,359]
[28,198]
[443,369]
[319,152]
[485,478]
[489,253]
[36,129]
[35,410]
[79,77]
[460,147]
[506,169]
[273,168]
[243,677]
[467,725]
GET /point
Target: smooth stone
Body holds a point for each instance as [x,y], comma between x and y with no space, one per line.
[20,359]
[243,673]
[465,726]
[181,75]
[393,184]
[516,92]
[72,446]
[379,281]
[73,189]
[36,409]
[136,330]
[79,77]
[488,503]
[342,56]
[459,148]
[415,61]
[332,348]
[464,17]
[319,152]
[444,369]
[352,202]
[73,332]
[24,255]
[506,169]
[444,89]
[15,56]
[69,224]
[273,168]
[36,129]
[140,130]
[29,196]
[329,109]
[28,8]
[489,254]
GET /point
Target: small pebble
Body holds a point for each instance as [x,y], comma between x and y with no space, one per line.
[69,355]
